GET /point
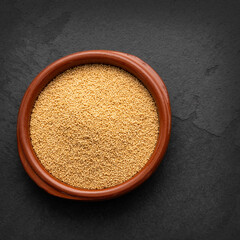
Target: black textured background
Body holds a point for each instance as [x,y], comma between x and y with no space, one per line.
[195,47]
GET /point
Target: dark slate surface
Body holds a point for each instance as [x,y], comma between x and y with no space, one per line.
[195,47]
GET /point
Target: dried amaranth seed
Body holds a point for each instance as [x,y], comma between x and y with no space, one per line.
[94,126]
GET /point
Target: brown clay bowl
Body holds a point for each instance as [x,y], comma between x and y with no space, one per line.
[130,63]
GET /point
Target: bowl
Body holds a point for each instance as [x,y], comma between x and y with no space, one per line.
[130,63]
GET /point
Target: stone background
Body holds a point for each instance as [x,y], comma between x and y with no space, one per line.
[195,48]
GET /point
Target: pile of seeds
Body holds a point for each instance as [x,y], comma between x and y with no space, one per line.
[94,126]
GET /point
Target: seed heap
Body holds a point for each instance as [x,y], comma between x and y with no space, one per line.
[94,126]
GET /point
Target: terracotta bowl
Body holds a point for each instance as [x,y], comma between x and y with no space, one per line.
[130,63]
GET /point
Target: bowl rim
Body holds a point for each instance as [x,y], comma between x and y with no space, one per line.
[130,63]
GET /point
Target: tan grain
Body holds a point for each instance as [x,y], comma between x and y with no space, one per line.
[94,126]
